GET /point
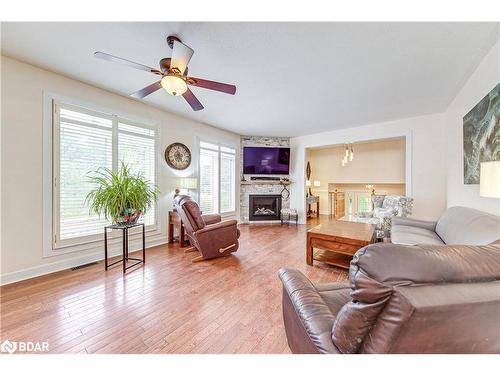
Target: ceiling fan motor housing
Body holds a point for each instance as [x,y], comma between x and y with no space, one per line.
[165,65]
[170,41]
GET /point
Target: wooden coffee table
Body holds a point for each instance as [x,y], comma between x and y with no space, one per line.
[336,242]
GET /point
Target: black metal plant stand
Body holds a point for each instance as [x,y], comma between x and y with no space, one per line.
[125,257]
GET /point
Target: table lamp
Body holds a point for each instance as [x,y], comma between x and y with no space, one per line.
[308,184]
[489,182]
[187,183]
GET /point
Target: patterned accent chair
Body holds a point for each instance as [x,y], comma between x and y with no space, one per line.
[385,207]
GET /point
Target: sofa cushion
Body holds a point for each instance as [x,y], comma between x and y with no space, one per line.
[335,295]
[467,226]
[410,235]
[210,219]
[429,225]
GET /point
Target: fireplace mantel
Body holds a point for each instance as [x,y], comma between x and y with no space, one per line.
[263,182]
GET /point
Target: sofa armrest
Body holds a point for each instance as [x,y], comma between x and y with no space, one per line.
[308,319]
[220,225]
[210,219]
[429,225]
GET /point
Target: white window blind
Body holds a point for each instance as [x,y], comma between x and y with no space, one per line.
[227,182]
[136,148]
[85,141]
[217,178]
[85,144]
[209,181]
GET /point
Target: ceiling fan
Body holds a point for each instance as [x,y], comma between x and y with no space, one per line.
[173,72]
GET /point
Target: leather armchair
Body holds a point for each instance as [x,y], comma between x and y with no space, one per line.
[400,299]
[208,234]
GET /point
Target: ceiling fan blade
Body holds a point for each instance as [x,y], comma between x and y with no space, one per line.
[192,100]
[181,54]
[211,85]
[108,57]
[147,90]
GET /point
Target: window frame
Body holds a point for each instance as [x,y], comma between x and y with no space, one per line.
[78,243]
[219,153]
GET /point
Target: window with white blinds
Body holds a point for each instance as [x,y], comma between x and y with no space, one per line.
[136,148]
[84,141]
[227,182]
[217,178]
[209,181]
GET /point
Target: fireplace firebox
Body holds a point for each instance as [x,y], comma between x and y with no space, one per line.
[264,207]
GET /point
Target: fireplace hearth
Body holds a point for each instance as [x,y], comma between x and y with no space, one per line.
[264,207]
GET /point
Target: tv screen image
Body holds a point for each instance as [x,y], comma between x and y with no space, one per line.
[266,160]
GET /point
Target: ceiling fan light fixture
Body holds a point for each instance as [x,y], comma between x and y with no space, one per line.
[174,84]
[173,75]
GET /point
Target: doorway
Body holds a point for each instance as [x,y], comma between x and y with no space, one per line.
[357,171]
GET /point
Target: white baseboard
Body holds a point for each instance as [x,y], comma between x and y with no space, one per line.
[65,264]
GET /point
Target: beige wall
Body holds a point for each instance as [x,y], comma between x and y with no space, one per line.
[374,162]
[23,87]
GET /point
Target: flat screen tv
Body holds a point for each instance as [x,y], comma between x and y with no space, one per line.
[266,160]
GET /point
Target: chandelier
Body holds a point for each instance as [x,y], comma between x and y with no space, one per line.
[348,155]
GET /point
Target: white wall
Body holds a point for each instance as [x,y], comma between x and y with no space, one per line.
[425,140]
[23,88]
[480,83]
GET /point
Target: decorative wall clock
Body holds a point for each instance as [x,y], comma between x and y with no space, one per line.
[178,156]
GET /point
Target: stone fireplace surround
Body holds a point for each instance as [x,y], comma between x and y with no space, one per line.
[248,187]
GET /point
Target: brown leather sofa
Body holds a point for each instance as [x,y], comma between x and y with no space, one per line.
[400,299]
[208,234]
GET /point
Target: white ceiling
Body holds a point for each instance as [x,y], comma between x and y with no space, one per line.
[292,78]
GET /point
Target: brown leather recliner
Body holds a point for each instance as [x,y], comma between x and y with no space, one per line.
[401,299]
[208,234]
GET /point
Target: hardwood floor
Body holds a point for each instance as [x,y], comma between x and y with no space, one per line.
[227,305]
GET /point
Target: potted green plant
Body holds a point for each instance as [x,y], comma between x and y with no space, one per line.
[122,195]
